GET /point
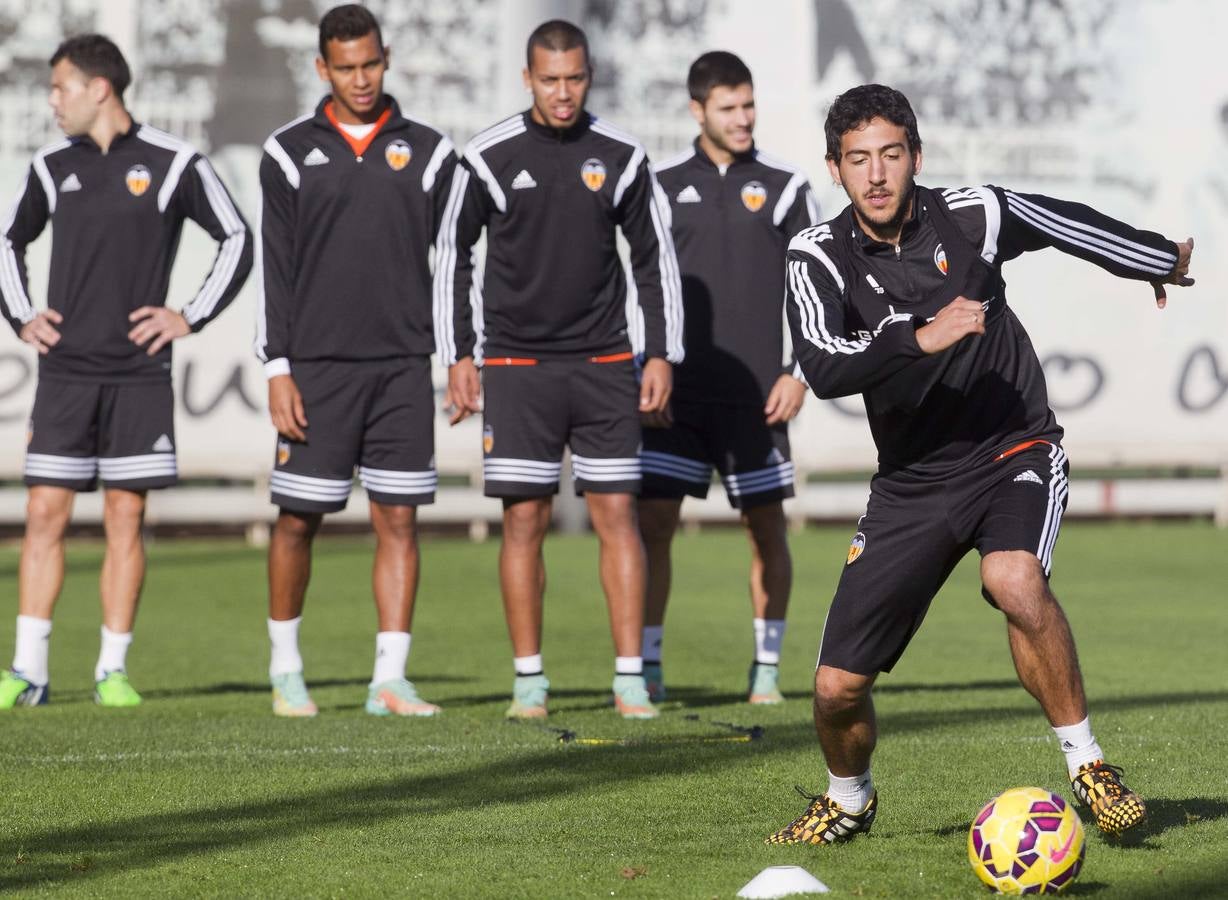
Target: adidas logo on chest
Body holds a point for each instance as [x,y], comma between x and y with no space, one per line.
[523,181]
[315,158]
[71,183]
[688,195]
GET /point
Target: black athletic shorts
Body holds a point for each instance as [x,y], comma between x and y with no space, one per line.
[751,456]
[124,433]
[914,532]
[378,416]
[533,408]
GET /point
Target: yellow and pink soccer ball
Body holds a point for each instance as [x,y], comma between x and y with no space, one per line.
[1026,841]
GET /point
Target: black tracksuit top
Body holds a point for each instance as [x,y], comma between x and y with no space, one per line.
[344,265]
[553,285]
[855,304]
[116,219]
[731,229]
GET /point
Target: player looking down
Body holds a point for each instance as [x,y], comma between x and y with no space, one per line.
[900,298]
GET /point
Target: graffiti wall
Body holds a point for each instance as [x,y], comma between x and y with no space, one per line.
[1122,105]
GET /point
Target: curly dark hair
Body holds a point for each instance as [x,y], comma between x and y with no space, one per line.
[857,106]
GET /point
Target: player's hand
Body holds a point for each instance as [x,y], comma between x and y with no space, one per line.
[286,408]
[1178,276]
[784,400]
[40,332]
[157,324]
[464,396]
[656,383]
[954,322]
[662,419]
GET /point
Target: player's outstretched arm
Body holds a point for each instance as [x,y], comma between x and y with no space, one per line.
[954,322]
[1179,275]
[464,395]
[286,408]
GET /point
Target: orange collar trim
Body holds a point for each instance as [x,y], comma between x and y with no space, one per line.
[358,146]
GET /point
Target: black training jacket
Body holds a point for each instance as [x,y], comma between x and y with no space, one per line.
[116,218]
[345,238]
[553,283]
[731,230]
[855,304]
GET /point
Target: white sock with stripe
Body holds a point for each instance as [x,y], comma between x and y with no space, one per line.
[628,665]
[32,648]
[769,635]
[391,656]
[283,639]
[113,653]
[528,665]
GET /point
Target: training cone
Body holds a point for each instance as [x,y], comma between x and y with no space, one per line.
[782,881]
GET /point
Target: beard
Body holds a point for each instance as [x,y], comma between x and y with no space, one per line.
[886,221]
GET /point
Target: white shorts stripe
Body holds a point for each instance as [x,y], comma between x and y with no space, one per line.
[389,481]
[527,471]
[46,465]
[1059,487]
[621,469]
[679,467]
[309,488]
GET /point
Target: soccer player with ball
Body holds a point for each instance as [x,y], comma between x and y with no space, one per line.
[900,298]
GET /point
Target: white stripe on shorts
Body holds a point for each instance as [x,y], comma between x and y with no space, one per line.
[391,481]
[1059,487]
[67,468]
[305,487]
[135,468]
[622,469]
[760,480]
[526,471]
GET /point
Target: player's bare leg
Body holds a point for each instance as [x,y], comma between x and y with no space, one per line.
[522,576]
[41,573]
[1048,666]
[522,571]
[289,574]
[123,566]
[123,574]
[623,576]
[40,577]
[1040,639]
[658,522]
[394,575]
[771,580]
[394,578]
[844,720]
[290,562]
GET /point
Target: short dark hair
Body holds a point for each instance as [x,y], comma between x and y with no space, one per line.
[557,36]
[348,23]
[716,68]
[97,56]
[857,106]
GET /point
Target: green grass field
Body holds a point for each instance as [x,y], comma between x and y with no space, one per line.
[201,792]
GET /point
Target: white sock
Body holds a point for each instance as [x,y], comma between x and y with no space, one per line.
[391,655]
[628,665]
[112,653]
[851,793]
[652,643]
[528,665]
[769,634]
[1079,745]
[283,637]
[32,645]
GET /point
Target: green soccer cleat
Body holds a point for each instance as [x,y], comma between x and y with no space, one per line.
[115,690]
[763,684]
[654,681]
[529,696]
[17,690]
[398,697]
[825,822]
[1099,787]
[290,697]
[631,698]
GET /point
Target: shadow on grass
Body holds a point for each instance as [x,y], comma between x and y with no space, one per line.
[262,687]
[145,841]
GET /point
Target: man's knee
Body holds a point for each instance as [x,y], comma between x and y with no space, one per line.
[838,693]
[394,523]
[658,520]
[768,529]
[296,526]
[48,509]
[526,520]
[1016,582]
[613,515]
